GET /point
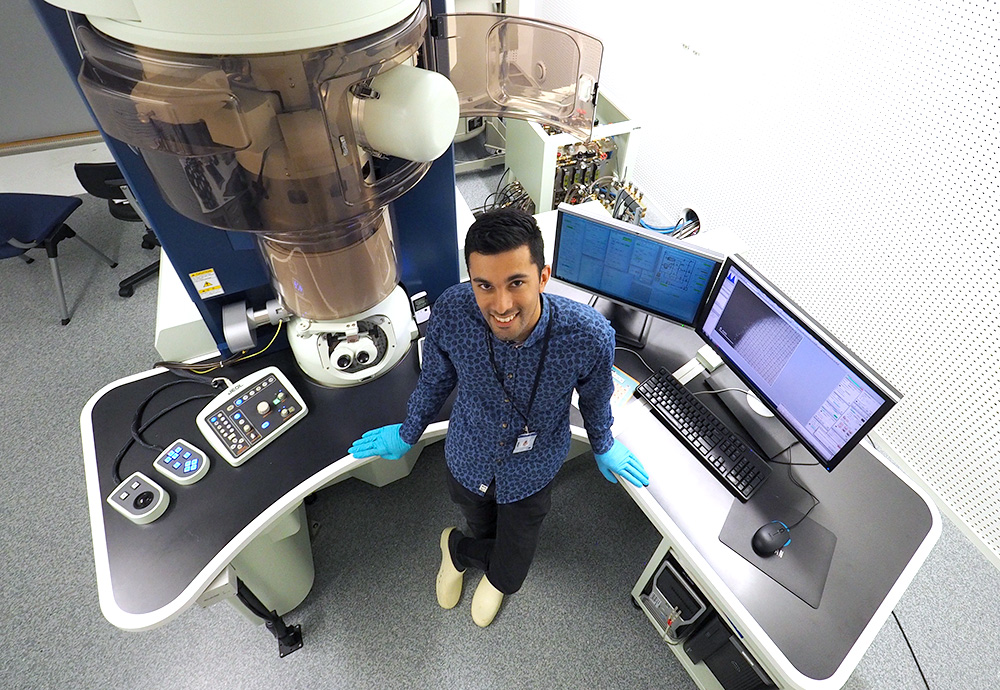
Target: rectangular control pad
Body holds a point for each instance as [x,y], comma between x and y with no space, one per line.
[250,414]
[139,498]
[182,462]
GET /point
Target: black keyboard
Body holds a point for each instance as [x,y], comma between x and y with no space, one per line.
[730,459]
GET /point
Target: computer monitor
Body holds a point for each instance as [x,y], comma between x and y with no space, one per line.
[827,397]
[639,272]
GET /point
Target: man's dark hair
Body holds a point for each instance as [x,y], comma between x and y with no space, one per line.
[502,230]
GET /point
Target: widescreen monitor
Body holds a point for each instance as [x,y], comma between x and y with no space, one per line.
[633,267]
[827,397]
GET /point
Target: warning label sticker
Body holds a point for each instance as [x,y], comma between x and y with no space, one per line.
[207,283]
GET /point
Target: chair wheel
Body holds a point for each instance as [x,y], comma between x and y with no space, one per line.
[126,291]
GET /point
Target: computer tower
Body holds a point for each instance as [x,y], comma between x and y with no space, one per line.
[712,634]
[735,669]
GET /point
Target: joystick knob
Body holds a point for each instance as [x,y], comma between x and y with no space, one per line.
[263,408]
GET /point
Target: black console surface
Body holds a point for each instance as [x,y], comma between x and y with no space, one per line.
[151,565]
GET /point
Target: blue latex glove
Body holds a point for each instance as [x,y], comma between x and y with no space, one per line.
[384,441]
[619,460]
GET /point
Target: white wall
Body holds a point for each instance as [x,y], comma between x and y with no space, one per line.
[39,98]
[854,146]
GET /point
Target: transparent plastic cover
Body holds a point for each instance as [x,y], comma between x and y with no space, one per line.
[255,143]
[522,68]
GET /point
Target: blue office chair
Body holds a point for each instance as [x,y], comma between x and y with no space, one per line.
[33,221]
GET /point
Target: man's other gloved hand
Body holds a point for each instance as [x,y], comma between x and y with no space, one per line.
[384,441]
[619,460]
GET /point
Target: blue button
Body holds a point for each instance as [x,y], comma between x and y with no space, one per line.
[167,460]
[186,455]
[239,401]
[177,465]
[177,449]
[212,420]
[238,415]
[265,425]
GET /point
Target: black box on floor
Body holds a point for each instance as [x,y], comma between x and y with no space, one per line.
[706,639]
[735,669]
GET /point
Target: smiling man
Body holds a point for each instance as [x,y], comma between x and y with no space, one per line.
[515,355]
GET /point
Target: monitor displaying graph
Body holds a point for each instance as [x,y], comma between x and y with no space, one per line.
[633,266]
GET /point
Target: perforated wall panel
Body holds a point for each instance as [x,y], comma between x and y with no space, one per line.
[854,147]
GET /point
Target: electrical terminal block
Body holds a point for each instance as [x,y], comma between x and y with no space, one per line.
[581,168]
[628,205]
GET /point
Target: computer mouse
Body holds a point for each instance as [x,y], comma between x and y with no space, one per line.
[771,538]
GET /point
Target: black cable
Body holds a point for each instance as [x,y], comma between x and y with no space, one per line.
[137,416]
[115,469]
[720,390]
[500,182]
[788,451]
[794,481]
[168,408]
[137,427]
[912,653]
[496,193]
[625,349]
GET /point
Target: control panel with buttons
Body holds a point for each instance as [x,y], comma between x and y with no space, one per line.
[250,414]
[139,498]
[182,462]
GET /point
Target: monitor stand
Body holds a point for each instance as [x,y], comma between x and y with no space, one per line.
[631,325]
[769,432]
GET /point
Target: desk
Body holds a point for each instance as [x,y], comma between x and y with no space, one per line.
[884,524]
[147,575]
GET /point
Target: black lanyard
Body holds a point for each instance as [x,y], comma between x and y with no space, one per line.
[538,372]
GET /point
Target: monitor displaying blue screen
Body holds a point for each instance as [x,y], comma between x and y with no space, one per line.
[633,266]
[821,391]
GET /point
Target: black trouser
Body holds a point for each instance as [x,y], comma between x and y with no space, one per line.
[503,536]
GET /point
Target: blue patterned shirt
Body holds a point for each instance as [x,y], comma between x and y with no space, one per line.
[485,423]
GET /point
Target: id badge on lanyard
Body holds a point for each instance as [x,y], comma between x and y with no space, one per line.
[525,442]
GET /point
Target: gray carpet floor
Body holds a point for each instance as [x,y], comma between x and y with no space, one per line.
[371,620]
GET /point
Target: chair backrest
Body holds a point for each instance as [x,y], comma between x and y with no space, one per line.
[103,180]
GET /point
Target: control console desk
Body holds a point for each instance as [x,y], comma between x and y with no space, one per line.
[148,574]
[884,528]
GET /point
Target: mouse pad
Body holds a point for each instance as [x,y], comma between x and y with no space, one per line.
[805,563]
